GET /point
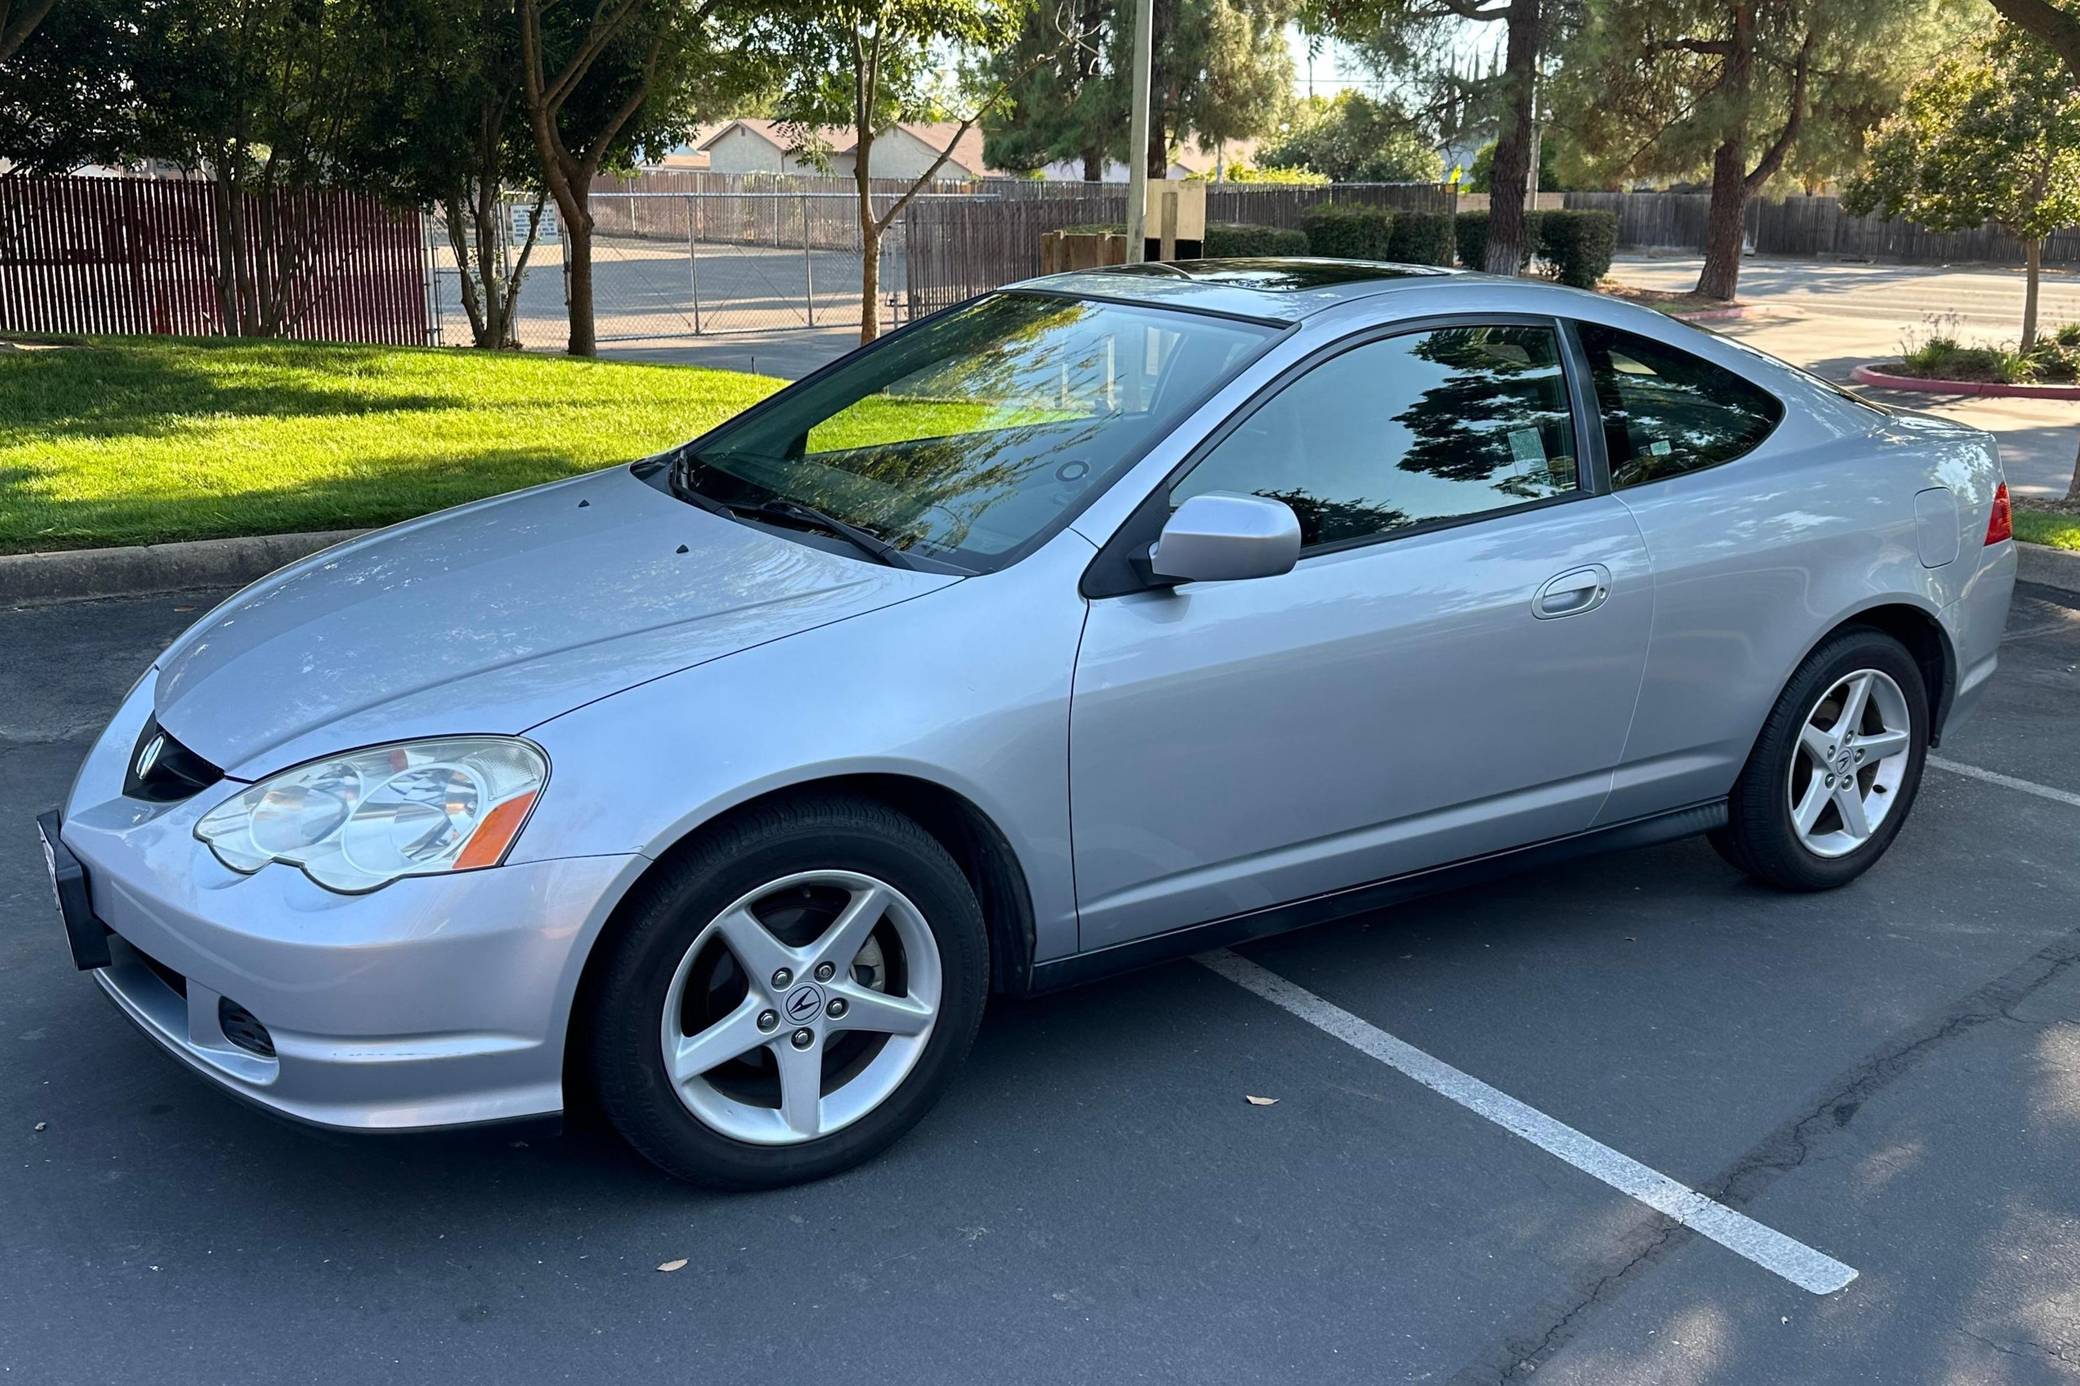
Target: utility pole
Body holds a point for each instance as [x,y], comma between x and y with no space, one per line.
[1137,137]
[1537,134]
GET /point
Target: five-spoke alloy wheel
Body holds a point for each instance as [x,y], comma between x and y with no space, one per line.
[1836,767]
[787,995]
[1852,758]
[781,1024]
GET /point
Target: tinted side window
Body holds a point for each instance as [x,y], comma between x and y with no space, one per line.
[1426,426]
[1665,412]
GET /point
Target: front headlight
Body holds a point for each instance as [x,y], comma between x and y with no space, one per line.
[364,819]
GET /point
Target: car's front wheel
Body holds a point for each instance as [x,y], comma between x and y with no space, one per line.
[1836,768]
[789,995]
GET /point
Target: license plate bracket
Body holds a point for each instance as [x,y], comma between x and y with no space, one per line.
[86,935]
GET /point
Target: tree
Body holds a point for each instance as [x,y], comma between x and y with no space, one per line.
[1480,176]
[64,94]
[1669,86]
[1219,71]
[865,64]
[17,19]
[1404,35]
[2056,26]
[443,126]
[258,95]
[1354,139]
[1990,137]
[597,88]
[1061,107]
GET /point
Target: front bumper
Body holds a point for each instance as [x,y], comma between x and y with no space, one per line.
[435,1001]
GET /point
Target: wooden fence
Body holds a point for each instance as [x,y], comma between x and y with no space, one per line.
[1812,226]
[957,247]
[130,255]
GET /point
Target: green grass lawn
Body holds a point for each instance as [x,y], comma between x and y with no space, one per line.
[2060,529]
[147,441]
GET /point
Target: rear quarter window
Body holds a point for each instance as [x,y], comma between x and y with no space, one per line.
[1665,412]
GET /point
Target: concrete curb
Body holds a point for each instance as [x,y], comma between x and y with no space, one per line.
[2040,563]
[71,574]
[1738,310]
[1871,375]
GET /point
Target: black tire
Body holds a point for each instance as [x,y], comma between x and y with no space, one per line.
[1760,837]
[668,910]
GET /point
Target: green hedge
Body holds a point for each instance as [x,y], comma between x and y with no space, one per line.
[1345,232]
[1232,238]
[1470,231]
[1421,238]
[1577,245]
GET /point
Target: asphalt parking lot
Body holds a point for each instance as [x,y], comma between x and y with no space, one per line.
[1888,1075]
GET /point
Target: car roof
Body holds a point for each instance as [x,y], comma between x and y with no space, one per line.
[1278,289]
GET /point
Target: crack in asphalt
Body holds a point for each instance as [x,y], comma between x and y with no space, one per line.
[1791,1145]
[2027,1347]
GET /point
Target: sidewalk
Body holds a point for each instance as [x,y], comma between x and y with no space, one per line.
[1833,316]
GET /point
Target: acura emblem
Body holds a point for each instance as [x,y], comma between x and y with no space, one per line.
[803,1003]
[149,756]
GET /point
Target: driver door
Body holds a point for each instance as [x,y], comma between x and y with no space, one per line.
[1449,670]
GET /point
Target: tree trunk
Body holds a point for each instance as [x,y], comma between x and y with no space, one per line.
[869,233]
[2073,489]
[1726,218]
[869,282]
[577,259]
[1725,222]
[1507,232]
[1093,165]
[455,206]
[2032,271]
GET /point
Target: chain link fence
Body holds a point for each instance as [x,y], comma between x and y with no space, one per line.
[681,256]
[669,266]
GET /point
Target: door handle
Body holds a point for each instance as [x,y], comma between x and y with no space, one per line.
[1572,593]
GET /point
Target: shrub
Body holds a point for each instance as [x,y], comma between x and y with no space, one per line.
[1233,238]
[1421,238]
[1348,232]
[1577,245]
[1470,232]
[1239,172]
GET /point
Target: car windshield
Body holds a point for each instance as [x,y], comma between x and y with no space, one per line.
[972,436]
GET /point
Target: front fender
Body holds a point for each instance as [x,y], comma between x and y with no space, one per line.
[942,689]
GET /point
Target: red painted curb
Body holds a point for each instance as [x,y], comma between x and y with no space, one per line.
[1870,375]
[1738,310]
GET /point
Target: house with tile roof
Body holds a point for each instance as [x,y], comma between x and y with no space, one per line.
[904,150]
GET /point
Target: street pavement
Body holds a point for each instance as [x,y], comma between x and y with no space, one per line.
[1832,316]
[1887,1074]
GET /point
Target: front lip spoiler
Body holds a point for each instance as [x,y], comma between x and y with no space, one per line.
[544,1124]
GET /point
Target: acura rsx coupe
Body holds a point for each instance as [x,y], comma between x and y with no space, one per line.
[1104,618]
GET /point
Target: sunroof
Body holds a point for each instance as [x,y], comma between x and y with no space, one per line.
[1279,276]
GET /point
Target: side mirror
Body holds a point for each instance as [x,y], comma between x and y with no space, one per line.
[1222,537]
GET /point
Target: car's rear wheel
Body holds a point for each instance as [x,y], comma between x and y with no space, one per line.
[789,995]
[1835,771]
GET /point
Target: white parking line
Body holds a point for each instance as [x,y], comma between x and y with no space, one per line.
[1973,772]
[1772,1250]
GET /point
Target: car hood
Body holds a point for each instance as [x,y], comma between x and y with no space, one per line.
[494,617]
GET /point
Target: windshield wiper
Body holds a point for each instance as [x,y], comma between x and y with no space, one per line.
[780,508]
[865,541]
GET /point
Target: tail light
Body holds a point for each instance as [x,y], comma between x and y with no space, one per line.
[2001,525]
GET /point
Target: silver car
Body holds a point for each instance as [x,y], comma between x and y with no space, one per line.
[1105,618]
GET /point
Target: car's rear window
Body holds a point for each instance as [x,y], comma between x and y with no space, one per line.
[1666,412]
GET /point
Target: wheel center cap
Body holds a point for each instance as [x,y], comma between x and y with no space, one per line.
[803,1004]
[1842,763]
